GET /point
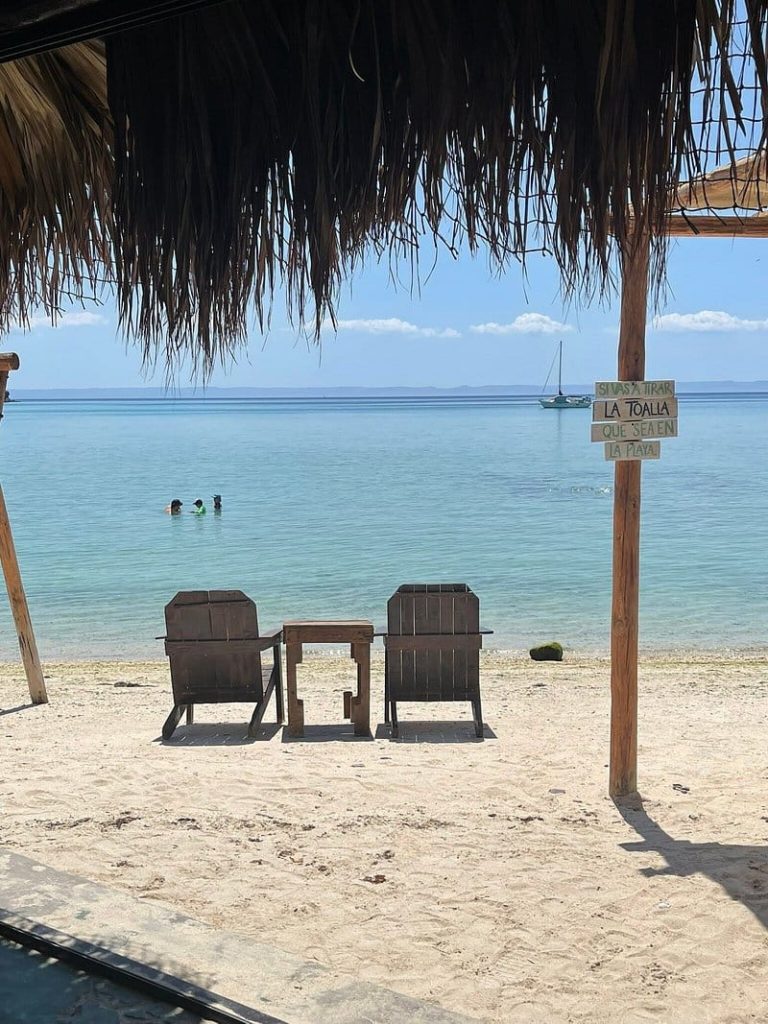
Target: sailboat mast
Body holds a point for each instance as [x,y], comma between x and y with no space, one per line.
[560,370]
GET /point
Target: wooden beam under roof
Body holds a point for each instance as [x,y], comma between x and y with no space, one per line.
[741,186]
[711,226]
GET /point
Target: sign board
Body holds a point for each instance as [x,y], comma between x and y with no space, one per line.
[635,389]
[634,430]
[623,451]
[634,409]
[630,416]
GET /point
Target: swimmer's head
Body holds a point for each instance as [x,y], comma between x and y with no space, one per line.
[199,503]
[176,503]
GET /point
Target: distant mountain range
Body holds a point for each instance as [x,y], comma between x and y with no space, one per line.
[488,391]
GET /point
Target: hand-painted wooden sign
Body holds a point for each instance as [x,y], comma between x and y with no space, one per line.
[634,409]
[634,430]
[635,389]
[630,416]
[623,451]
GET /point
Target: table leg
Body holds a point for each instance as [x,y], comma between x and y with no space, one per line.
[360,705]
[293,656]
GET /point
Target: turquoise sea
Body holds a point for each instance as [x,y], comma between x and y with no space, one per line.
[330,504]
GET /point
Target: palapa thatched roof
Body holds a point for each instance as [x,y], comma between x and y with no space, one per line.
[56,174]
[244,144]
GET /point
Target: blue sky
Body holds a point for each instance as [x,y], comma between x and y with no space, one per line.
[465,326]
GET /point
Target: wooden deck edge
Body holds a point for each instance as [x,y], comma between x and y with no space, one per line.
[167,988]
[221,975]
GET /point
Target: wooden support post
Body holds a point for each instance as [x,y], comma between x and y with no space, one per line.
[18,600]
[626,536]
[3,389]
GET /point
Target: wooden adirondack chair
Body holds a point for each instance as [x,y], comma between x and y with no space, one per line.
[215,649]
[432,647]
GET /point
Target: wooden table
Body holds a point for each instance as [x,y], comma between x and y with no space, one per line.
[358,633]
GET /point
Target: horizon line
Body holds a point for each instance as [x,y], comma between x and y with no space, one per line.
[191,390]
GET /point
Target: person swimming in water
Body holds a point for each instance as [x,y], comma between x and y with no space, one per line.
[217,503]
[199,509]
[174,509]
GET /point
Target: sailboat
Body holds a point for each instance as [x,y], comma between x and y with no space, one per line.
[561,401]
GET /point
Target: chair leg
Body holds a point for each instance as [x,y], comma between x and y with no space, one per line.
[190,714]
[172,720]
[261,707]
[386,691]
[477,714]
[256,717]
[393,715]
[278,670]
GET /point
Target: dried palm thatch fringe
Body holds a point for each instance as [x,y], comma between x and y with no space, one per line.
[268,142]
[56,173]
[283,139]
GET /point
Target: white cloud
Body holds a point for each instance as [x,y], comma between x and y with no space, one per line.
[706,320]
[77,318]
[526,323]
[391,325]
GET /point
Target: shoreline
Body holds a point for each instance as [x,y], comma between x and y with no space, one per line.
[510,658]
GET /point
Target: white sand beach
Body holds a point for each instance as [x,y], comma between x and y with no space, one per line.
[494,877]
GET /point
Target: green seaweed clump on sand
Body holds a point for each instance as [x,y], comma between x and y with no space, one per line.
[552,651]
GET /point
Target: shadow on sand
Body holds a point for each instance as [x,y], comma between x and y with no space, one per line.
[741,871]
[219,734]
[12,711]
[235,734]
[342,733]
[412,731]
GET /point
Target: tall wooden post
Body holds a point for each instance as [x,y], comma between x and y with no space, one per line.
[10,564]
[18,600]
[626,536]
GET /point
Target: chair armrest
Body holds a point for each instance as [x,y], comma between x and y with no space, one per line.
[274,636]
[383,631]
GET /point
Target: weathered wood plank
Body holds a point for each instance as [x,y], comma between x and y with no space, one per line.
[716,227]
[626,537]
[616,451]
[435,642]
[420,655]
[359,710]
[447,656]
[293,656]
[635,430]
[635,389]
[211,648]
[622,409]
[343,631]
[20,610]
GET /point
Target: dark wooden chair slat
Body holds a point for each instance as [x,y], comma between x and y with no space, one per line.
[214,649]
[434,642]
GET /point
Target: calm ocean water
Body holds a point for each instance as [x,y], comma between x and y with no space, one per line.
[329,505]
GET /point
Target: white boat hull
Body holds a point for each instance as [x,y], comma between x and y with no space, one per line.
[566,402]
